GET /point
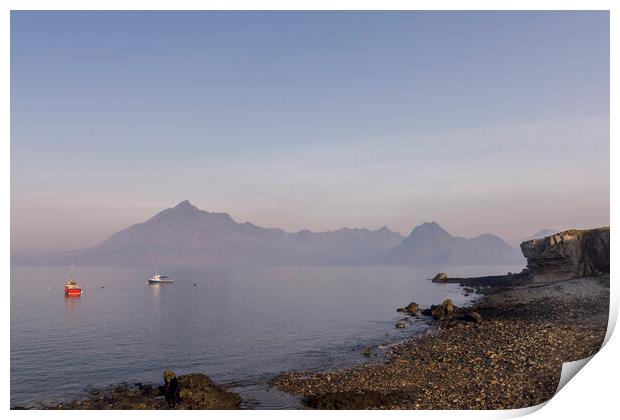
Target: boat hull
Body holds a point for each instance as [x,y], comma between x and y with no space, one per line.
[160,281]
[73,292]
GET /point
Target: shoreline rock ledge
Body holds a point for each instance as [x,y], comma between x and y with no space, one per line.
[194,391]
[568,255]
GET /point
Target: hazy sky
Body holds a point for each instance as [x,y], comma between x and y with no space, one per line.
[484,122]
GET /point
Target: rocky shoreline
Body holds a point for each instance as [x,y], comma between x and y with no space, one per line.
[512,358]
[503,352]
[194,391]
[509,357]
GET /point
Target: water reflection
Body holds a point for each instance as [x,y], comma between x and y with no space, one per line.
[239,325]
[155,291]
[72,304]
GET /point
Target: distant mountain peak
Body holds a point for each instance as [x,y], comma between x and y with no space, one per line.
[429,228]
[185,207]
[429,243]
[433,225]
[185,204]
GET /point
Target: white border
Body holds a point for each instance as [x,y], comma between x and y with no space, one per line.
[593,394]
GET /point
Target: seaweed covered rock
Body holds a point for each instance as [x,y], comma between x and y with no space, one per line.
[194,391]
[448,314]
[198,392]
[412,308]
[443,311]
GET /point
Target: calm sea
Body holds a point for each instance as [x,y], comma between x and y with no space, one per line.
[241,326]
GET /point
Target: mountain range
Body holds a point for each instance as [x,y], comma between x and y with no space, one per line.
[185,234]
[430,244]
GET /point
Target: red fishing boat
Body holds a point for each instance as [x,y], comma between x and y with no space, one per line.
[72,288]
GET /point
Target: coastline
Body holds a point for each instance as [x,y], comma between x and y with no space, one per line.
[512,359]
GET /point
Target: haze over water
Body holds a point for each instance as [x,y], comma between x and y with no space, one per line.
[239,325]
[486,122]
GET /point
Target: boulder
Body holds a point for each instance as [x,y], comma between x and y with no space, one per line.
[449,315]
[567,255]
[440,278]
[412,308]
[198,392]
[171,388]
[443,311]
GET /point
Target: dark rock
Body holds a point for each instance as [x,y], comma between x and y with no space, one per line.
[171,388]
[400,324]
[194,391]
[198,392]
[443,311]
[367,351]
[449,315]
[412,308]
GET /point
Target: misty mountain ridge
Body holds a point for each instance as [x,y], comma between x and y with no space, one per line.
[430,244]
[185,234]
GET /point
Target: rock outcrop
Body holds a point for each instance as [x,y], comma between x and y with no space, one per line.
[194,391]
[413,308]
[440,278]
[198,392]
[443,311]
[567,255]
[448,314]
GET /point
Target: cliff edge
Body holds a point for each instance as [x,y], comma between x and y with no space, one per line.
[568,255]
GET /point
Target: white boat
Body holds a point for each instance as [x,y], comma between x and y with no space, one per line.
[158,279]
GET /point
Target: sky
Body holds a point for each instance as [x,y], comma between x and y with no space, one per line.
[486,122]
